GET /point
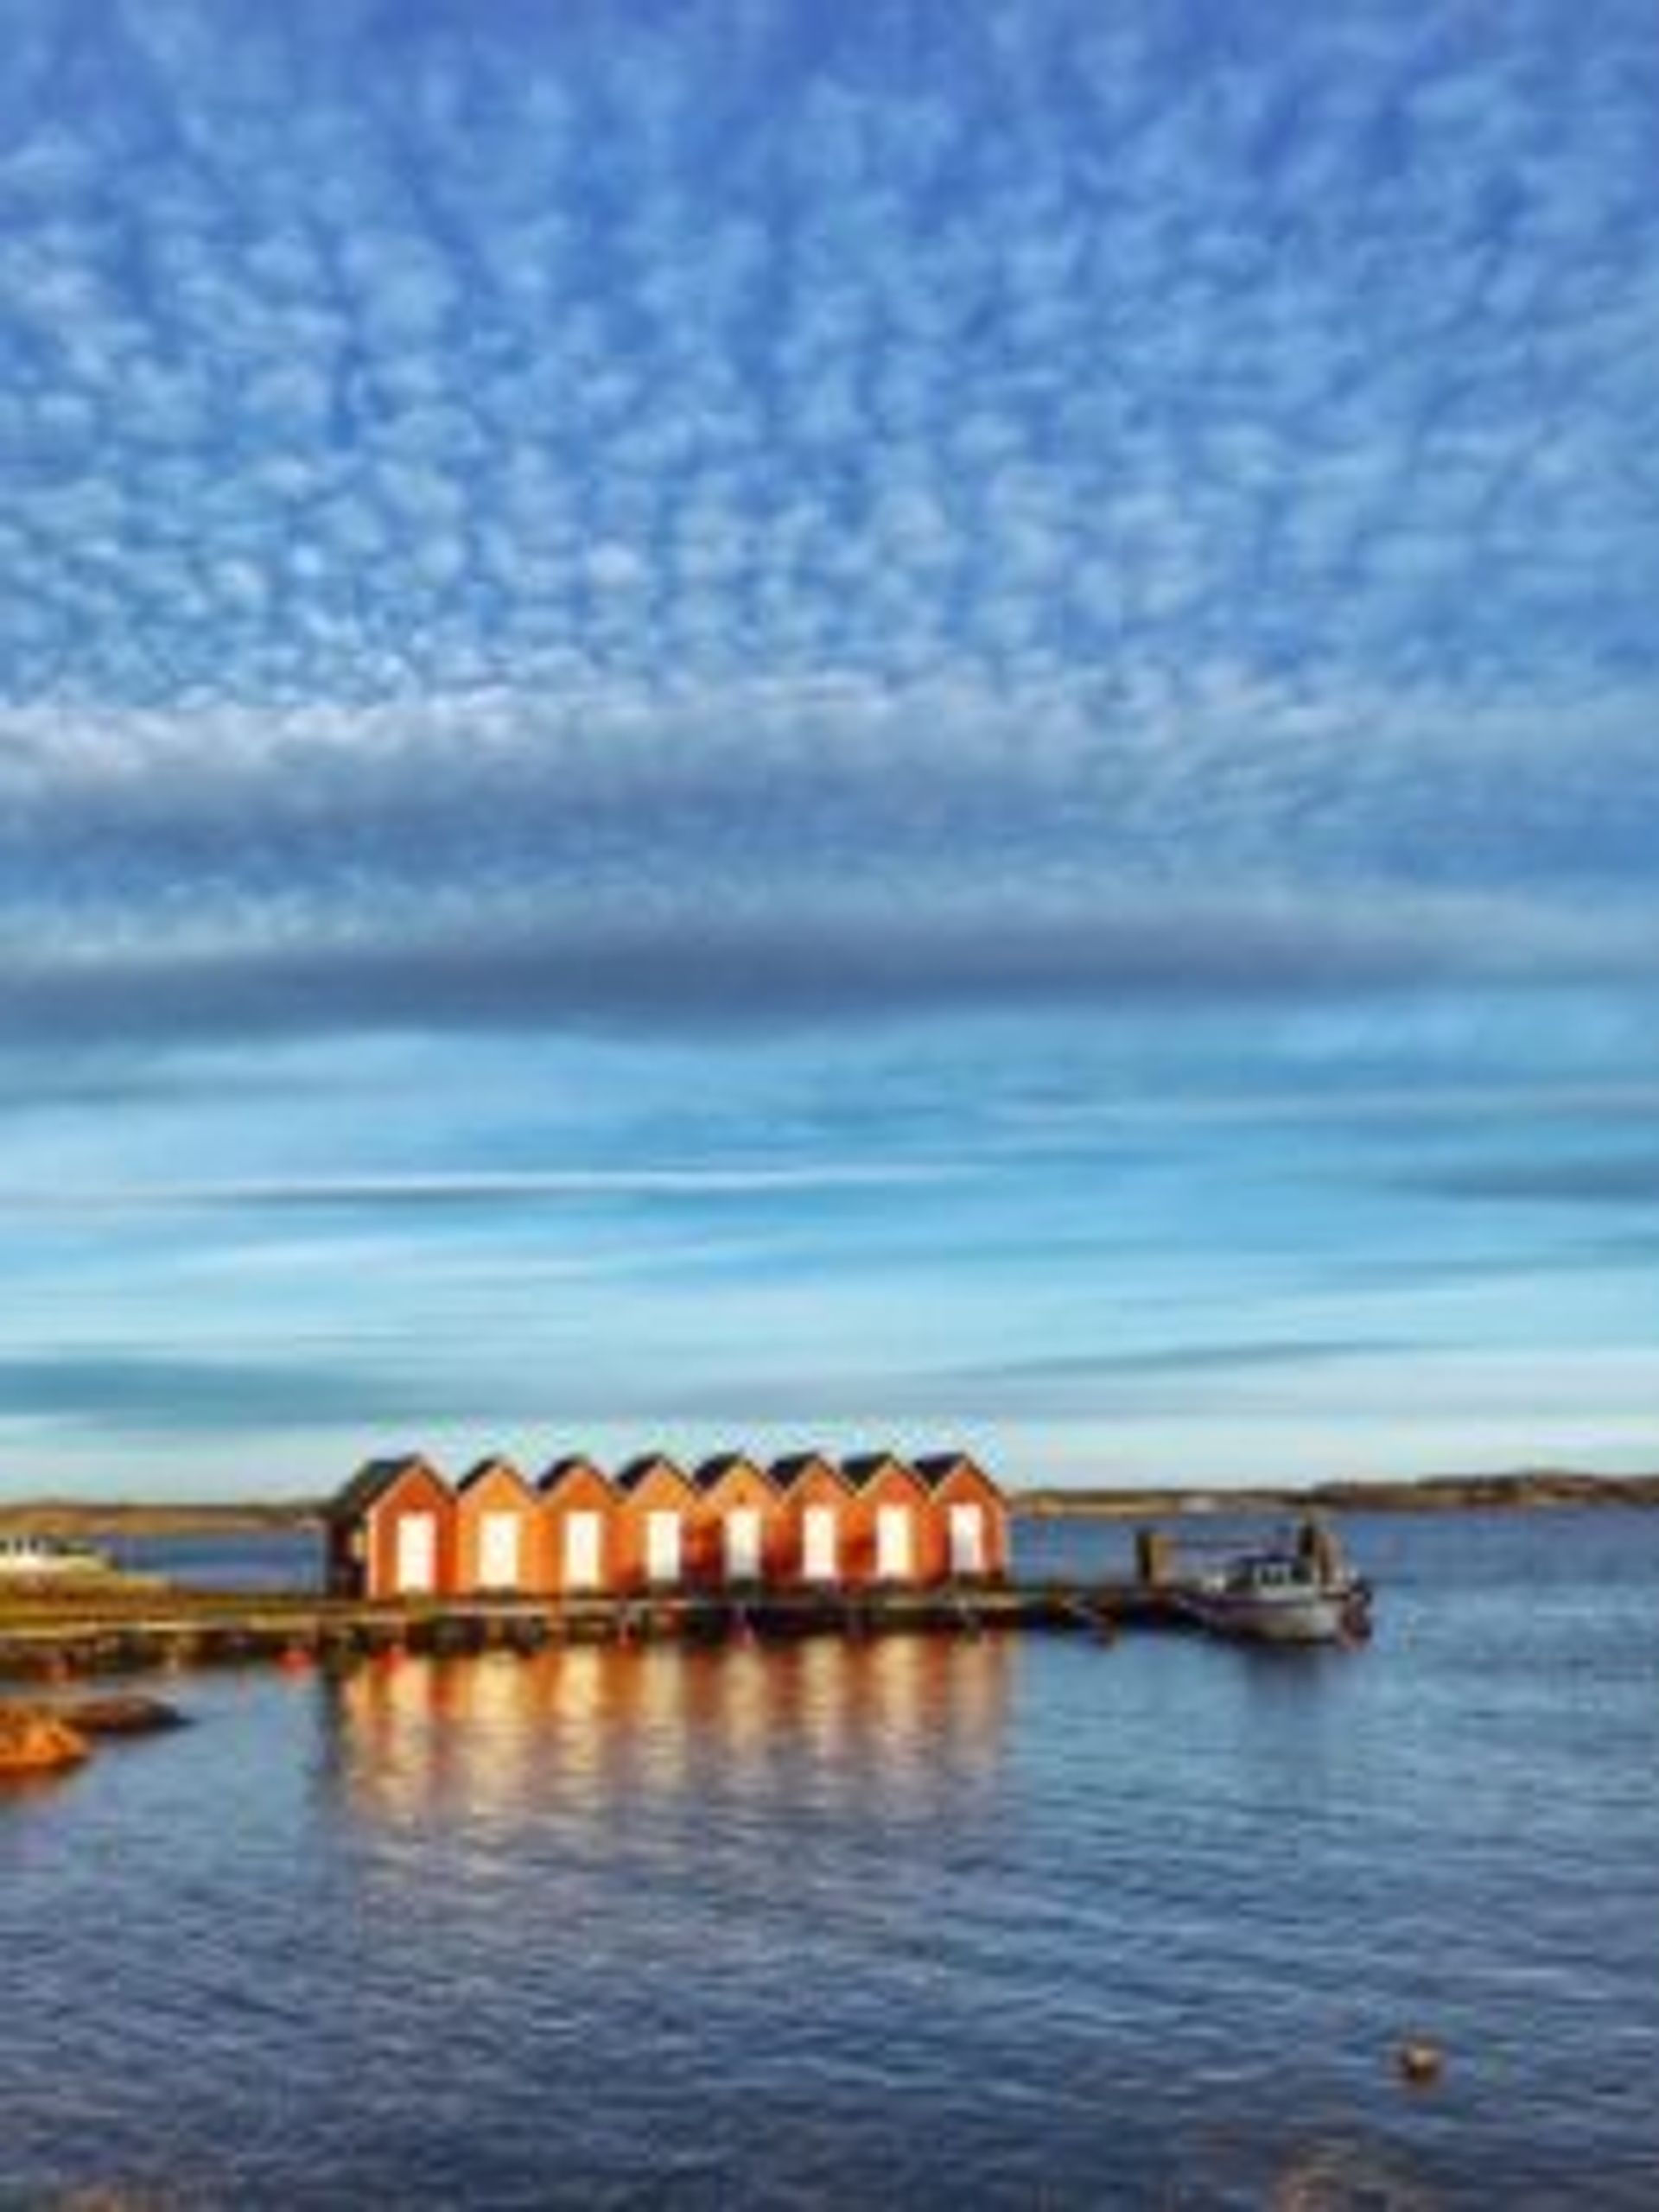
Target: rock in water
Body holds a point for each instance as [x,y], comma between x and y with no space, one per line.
[1420,2061]
[122,1716]
[32,1742]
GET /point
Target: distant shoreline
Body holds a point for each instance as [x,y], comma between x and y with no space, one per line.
[1543,1489]
[93,1518]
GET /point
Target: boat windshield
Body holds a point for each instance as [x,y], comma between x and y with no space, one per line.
[1269,1570]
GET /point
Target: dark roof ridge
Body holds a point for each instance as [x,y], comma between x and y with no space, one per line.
[377,1476]
[630,1477]
[493,1463]
[567,1464]
[710,1473]
[862,1468]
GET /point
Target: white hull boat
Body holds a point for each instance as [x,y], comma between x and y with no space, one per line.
[49,1559]
[1281,1597]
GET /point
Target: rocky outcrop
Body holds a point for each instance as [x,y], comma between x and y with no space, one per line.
[48,1739]
[35,1742]
[126,1716]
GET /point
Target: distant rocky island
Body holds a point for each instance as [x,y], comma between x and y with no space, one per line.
[53,1516]
[1528,1490]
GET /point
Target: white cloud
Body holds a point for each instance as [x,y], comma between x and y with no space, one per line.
[765,520]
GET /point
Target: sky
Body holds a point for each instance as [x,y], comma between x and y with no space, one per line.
[742,724]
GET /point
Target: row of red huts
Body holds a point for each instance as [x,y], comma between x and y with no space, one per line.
[400,1530]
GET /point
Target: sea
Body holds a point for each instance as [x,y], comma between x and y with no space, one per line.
[1012,1921]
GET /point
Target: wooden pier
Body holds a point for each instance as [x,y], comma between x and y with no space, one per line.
[131,1632]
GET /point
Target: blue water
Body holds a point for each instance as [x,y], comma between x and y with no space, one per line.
[1013,1922]
[287,1559]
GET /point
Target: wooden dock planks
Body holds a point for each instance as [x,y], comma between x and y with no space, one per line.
[131,1630]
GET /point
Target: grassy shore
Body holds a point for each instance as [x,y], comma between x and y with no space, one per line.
[50,1517]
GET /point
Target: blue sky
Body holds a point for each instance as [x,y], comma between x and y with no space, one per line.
[744,724]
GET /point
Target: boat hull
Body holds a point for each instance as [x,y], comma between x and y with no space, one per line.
[1307,1618]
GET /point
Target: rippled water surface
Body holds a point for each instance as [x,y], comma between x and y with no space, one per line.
[911,1922]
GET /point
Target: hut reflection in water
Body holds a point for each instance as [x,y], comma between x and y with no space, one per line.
[580,1733]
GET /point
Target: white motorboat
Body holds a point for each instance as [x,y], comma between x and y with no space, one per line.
[1300,1593]
[49,1559]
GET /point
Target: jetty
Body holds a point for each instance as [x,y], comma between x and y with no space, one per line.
[50,1636]
[128,1625]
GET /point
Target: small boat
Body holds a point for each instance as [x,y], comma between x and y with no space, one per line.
[50,1559]
[1284,1594]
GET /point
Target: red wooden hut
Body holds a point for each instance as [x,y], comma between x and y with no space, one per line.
[736,1539]
[658,1506]
[392,1532]
[891,1534]
[579,1520]
[816,1501]
[497,1529]
[970,1514]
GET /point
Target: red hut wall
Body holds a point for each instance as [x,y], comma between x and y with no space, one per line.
[421,1491]
[815,1487]
[499,1496]
[742,1489]
[586,1558]
[967,1484]
[894,1487]
[664,1489]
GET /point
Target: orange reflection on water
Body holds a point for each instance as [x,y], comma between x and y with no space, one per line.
[587,1730]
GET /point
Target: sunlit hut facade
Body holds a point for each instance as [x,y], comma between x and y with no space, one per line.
[807,1522]
[392,1532]
[969,1515]
[580,1516]
[890,1534]
[658,1504]
[498,1531]
[815,1501]
[736,1539]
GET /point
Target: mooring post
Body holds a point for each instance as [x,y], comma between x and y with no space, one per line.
[1152,1551]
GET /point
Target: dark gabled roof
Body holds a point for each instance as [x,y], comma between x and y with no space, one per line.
[492,1465]
[629,1478]
[788,1471]
[935,1468]
[373,1479]
[709,1474]
[864,1466]
[573,1463]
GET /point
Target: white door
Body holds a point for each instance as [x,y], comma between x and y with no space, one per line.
[663,1547]
[582,1552]
[818,1562]
[417,1554]
[497,1551]
[743,1545]
[892,1542]
[967,1540]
